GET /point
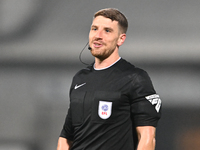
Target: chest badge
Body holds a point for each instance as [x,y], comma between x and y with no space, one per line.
[105,109]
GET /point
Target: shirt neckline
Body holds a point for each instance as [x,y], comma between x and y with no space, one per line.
[106,67]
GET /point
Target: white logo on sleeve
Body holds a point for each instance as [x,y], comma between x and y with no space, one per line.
[78,86]
[105,109]
[154,100]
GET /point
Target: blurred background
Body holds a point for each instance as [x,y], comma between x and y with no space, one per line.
[40,42]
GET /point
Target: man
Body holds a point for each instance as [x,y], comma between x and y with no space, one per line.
[113,105]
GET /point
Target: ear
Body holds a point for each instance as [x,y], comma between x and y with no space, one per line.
[121,39]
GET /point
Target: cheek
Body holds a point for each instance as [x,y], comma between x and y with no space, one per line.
[114,42]
[90,35]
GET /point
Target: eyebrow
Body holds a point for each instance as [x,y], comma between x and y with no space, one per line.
[108,28]
[95,26]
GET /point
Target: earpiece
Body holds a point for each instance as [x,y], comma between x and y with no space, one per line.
[82,52]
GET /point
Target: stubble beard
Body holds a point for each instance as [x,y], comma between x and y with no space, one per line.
[102,54]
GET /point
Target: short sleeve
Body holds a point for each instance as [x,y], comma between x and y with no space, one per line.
[145,103]
[67,131]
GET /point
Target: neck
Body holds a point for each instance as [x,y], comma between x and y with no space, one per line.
[100,64]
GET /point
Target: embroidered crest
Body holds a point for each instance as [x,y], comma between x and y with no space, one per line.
[105,109]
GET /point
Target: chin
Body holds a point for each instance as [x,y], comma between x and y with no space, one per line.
[100,56]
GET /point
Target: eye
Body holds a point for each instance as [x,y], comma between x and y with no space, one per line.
[94,28]
[107,30]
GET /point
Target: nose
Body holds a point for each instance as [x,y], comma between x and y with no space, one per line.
[99,34]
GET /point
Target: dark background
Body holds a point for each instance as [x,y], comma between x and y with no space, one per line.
[40,42]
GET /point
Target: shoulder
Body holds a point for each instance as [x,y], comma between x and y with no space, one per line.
[83,71]
[133,71]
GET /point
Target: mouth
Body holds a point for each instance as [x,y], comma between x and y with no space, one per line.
[97,45]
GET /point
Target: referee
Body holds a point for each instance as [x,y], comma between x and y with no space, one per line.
[113,104]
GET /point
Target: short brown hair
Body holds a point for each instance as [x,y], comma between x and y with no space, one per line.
[116,15]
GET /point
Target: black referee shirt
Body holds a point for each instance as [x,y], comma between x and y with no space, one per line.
[106,106]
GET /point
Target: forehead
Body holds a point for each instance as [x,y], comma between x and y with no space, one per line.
[105,22]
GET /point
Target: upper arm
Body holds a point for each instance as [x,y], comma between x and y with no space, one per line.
[145,110]
[145,103]
[67,130]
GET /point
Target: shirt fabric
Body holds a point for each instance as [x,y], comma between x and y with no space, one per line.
[107,105]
